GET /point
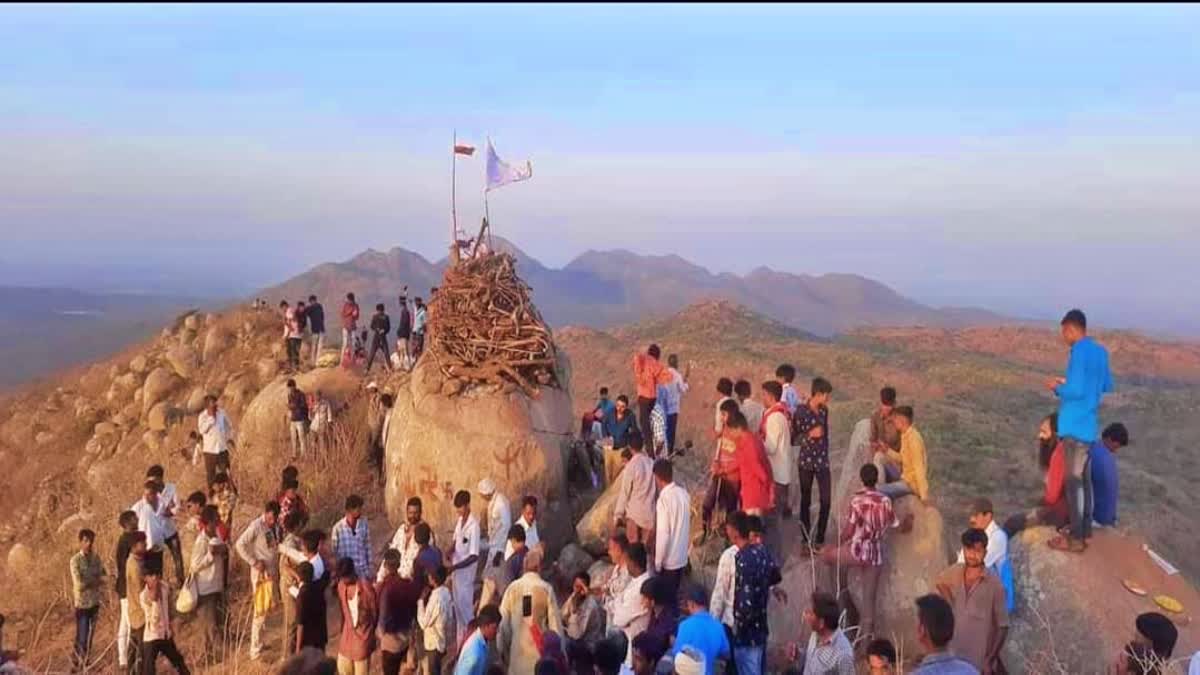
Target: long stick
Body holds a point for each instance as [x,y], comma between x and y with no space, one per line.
[487,218]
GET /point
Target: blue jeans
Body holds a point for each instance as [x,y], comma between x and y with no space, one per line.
[895,490]
[85,628]
[750,660]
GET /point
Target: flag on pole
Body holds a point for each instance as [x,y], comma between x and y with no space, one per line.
[501,173]
[461,148]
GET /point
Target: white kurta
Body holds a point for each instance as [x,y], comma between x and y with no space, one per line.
[499,523]
[531,537]
[778,443]
[515,638]
[466,544]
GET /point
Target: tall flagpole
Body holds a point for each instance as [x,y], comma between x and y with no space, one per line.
[453,187]
[487,216]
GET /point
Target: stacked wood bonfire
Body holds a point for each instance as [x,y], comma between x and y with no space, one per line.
[484,329]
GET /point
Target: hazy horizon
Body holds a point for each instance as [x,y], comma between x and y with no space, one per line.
[1021,158]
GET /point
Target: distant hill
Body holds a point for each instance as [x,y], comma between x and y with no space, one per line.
[48,329]
[609,288]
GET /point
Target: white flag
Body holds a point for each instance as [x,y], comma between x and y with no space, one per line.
[501,173]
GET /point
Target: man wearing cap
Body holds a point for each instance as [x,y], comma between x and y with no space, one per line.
[996,559]
[499,521]
[700,633]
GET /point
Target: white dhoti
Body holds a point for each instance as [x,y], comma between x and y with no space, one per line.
[463,593]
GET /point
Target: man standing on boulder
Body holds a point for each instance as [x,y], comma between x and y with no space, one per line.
[1079,394]
[217,432]
[775,433]
[648,373]
[420,315]
[676,388]
[349,324]
[293,335]
[381,327]
[297,404]
[315,314]
[404,331]
[636,494]
[672,528]
[810,431]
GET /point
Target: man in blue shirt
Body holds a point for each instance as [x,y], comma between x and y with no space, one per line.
[474,657]
[1103,460]
[701,631]
[1079,393]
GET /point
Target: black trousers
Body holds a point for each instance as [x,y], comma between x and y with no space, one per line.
[152,649]
[720,491]
[172,544]
[214,464]
[645,405]
[392,662]
[136,655]
[293,352]
[823,484]
[379,343]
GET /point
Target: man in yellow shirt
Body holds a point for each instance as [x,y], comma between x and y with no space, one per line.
[906,470]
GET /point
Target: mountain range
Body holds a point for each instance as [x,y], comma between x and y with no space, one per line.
[601,289]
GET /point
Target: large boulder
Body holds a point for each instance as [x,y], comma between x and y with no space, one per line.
[572,560]
[195,401]
[595,527]
[914,560]
[19,562]
[183,360]
[238,392]
[263,426]
[440,444]
[159,385]
[139,364]
[162,416]
[1073,614]
[216,340]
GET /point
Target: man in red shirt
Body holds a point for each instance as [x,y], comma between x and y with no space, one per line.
[648,372]
[868,519]
[349,323]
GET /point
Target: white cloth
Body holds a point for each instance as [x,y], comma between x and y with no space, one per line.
[499,523]
[216,431]
[676,388]
[152,522]
[636,491]
[466,544]
[531,537]
[404,542]
[501,173]
[717,426]
[721,604]
[208,574]
[629,614]
[672,528]
[753,410]
[778,443]
[997,549]
[168,501]
[614,586]
[434,618]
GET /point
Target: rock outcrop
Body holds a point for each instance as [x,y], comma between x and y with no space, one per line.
[440,444]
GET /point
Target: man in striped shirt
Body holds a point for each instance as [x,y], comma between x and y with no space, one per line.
[870,516]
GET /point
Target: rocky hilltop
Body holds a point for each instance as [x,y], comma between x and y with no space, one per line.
[75,450]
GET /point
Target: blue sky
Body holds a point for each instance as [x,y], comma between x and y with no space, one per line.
[1019,157]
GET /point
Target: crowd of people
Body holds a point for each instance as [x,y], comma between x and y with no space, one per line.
[361,338]
[484,601]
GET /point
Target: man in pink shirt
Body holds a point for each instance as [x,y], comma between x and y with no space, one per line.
[648,372]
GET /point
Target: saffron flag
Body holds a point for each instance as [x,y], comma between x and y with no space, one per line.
[463,149]
[501,173]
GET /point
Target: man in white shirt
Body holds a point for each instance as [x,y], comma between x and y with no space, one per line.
[168,505]
[996,559]
[258,546]
[721,604]
[776,435]
[672,526]
[636,494]
[630,614]
[434,612]
[403,541]
[618,578]
[152,522]
[528,520]
[464,554]
[752,409]
[676,388]
[217,435]
[785,375]
[528,603]
[208,564]
[499,520]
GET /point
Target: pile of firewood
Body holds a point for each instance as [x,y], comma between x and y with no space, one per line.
[484,330]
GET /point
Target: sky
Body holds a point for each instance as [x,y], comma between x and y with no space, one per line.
[1022,158]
